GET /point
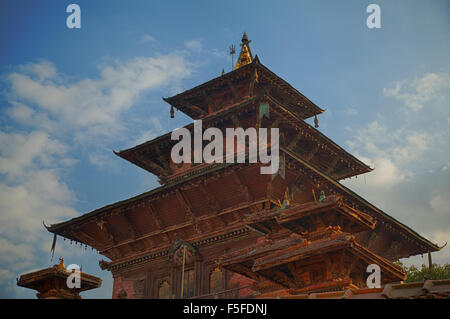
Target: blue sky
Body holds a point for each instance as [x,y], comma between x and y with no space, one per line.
[69,97]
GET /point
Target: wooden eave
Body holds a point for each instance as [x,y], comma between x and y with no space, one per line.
[55,228]
[253,252]
[162,143]
[370,209]
[258,261]
[321,140]
[183,101]
[422,244]
[291,216]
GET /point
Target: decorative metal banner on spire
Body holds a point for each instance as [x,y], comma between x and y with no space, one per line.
[245,57]
[232,53]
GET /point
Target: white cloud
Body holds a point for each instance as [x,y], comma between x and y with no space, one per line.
[351,111]
[92,105]
[408,147]
[417,93]
[55,119]
[20,153]
[31,190]
[147,38]
[27,116]
[193,45]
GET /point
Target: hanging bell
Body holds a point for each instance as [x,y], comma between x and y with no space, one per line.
[172,112]
[316,121]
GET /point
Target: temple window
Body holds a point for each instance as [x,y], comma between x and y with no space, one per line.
[164,290]
[188,283]
[216,281]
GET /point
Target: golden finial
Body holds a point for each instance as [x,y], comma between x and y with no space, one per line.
[61,264]
[245,57]
[223,71]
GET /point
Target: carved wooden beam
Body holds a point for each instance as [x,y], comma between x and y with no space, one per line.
[269,188]
[241,269]
[131,228]
[210,101]
[154,213]
[105,227]
[189,223]
[252,83]
[344,172]
[88,239]
[221,221]
[313,152]
[332,165]
[236,121]
[146,162]
[164,158]
[351,266]
[209,226]
[276,122]
[212,200]
[294,141]
[297,185]
[184,202]
[287,281]
[233,91]
[242,187]
[196,108]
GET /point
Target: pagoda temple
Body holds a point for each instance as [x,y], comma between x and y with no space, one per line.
[224,230]
[51,283]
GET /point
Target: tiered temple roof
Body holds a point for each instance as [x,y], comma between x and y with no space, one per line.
[209,205]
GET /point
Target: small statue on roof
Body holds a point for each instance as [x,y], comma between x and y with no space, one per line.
[286,203]
[61,264]
[321,196]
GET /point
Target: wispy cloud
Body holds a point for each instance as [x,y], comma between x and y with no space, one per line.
[193,45]
[417,93]
[409,150]
[56,121]
[91,104]
[147,38]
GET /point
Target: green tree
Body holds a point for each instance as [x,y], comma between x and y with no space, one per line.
[421,274]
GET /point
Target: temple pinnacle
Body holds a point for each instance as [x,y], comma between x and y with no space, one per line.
[245,57]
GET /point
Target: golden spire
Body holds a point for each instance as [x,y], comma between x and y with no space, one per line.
[245,57]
